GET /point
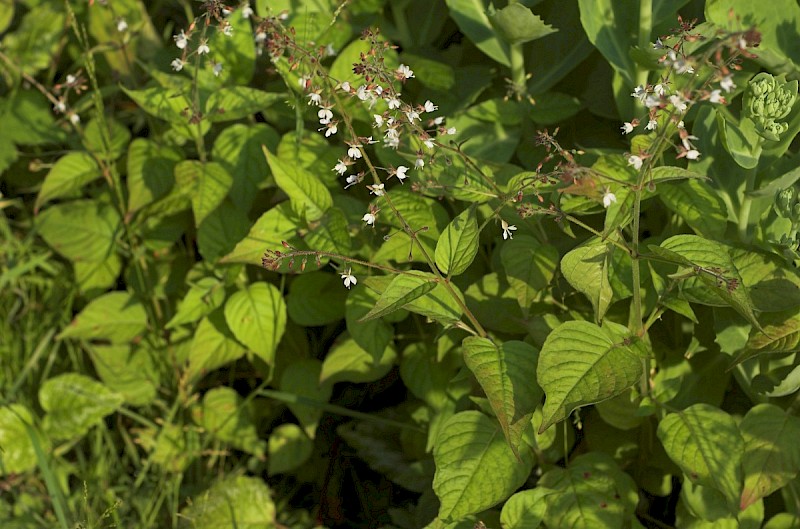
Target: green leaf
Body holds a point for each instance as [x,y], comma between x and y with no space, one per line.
[107,137]
[424,376]
[525,509]
[347,362]
[373,336]
[206,184]
[507,374]
[551,108]
[213,345]
[74,403]
[518,24]
[403,289]
[307,195]
[67,176]
[117,317]
[151,172]
[220,230]
[740,140]
[438,304]
[237,52]
[698,205]
[236,502]
[586,268]
[127,370]
[705,442]
[276,225]
[470,15]
[226,416]
[82,230]
[529,266]
[17,454]
[289,448]
[163,103]
[611,26]
[316,299]
[771,456]
[458,245]
[302,378]
[257,317]
[207,294]
[780,334]
[581,364]
[237,102]
[97,276]
[475,468]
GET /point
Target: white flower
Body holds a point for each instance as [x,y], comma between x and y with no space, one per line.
[363,92]
[177,65]
[727,84]
[369,218]
[660,89]
[429,143]
[325,115]
[261,37]
[60,107]
[227,30]
[438,121]
[349,278]
[203,48]
[345,86]
[658,45]
[452,131]
[351,180]
[247,11]
[354,151]
[411,115]
[340,167]
[627,127]
[652,124]
[635,161]
[692,154]
[401,173]
[122,25]
[429,106]
[314,98]
[331,129]
[608,198]
[394,102]
[71,79]
[678,102]
[652,101]
[404,72]
[419,163]
[181,40]
[376,189]
[378,120]
[687,141]
[639,93]
[716,97]
[507,229]
[216,67]
[330,51]
[74,118]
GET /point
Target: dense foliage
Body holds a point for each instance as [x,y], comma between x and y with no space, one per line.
[399,263]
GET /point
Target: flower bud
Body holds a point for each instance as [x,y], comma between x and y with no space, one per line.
[785,200]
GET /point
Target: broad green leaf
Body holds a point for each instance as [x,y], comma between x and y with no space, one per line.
[163,103]
[172,447]
[127,370]
[220,230]
[316,299]
[97,276]
[475,468]
[289,447]
[257,317]
[82,230]
[591,492]
[671,173]
[705,442]
[507,374]
[529,266]
[488,140]
[276,225]
[586,268]
[302,378]
[402,290]
[424,376]
[373,336]
[347,362]
[781,334]
[783,520]
[67,176]
[203,297]
[611,26]
[331,233]
[237,102]
[698,205]
[236,502]
[517,24]
[308,196]
[17,455]
[551,108]
[151,172]
[227,417]
[525,509]
[310,151]
[494,303]
[581,364]
[206,184]
[109,144]
[236,52]
[774,285]
[74,403]
[35,41]
[117,317]
[436,75]
[771,457]
[213,345]
[740,140]
[458,244]
[470,15]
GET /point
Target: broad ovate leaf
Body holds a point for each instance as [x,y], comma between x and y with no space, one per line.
[257,317]
[213,345]
[301,378]
[207,184]
[117,317]
[529,266]
[289,447]
[586,269]
[517,24]
[581,364]
[17,454]
[227,417]
[307,194]
[278,224]
[347,362]
[475,468]
[74,403]
[403,289]
[81,230]
[458,244]
[705,443]
[771,456]
[236,502]
[67,176]
[525,509]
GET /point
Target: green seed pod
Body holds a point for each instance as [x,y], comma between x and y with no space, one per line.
[785,200]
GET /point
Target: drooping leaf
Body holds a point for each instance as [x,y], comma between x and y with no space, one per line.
[586,268]
[347,362]
[236,502]
[781,334]
[289,448]
[525,509]
[582,364]
[517,24]
[227,417]
[373,336]
[206,184]
[214,345]
[82,230]
[403,289]
[117,317]
[257,317]
[771,457]
[67,176]
[74,403]
[276,225]
[307,195]
[151,172]
[425,376]
[529,267]
[302,378]
[203,297]
[305,295]
[698,205]
[108,138]
[127,370]
[475,468]
[470,15]
[705,442]
[458,244]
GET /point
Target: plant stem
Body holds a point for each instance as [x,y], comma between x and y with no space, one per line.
[747,201]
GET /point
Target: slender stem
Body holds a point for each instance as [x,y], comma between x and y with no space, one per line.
[518,75]
[747,201]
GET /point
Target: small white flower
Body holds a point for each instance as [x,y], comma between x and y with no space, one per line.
[404,72]
[227,30]
[351,180]
[639,93]
[370,141]
[394,103]
[378,90]
[429,106]
[363,92]
[304,82]
[401,173]
[349,278]
[181,40]
[452,131]
[369,218]
[216,67]
[261,37]
[122,25]
[331,129]
[314,98]
[652,101]
[378,120]
[419,163]
[354,151]
[177,64]
[681,125]
[608,198]
[635,161]
[411,115]
[627,127]
[330,51]
[340,167]
[658,45]
[376,189]
[692,154]
[678,102]
[203,48]
[686,141]
[429,143]
[652,124]
[71,79]
[247,11]
[325,115]
[74,118]
[660,89]
[716,97]
[507,229]
[345,86]
[727,84]
[438,121]
[60,107]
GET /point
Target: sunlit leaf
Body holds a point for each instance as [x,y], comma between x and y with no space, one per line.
[117,317]
[458,244]
[257,317]
[74,403]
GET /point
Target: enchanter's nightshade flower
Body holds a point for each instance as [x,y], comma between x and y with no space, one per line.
[678,102]
[411,115]
[452,131]
[181,40]
[429,143]
[122,25]
[639,93]
[60,107]
[438,121]
[727,84]
[247,11]
[627,127]
[369,218]
[419,163]
[354,151]
[345,86]
[376,189]
[378,120]
[716,97]
[216,67]
[203,48]
[507,229]
[429,106]
[351,180]
[177,65]
[340,167]
[314,98]
[394,102]
[330,51]
[608,198]
[652,124]
[227,30]
[660,89]
[349,278]
[692,154]
[261,37]
[635,161]
[331,129]
[325,115]
[404,72]
[401,173]
[74,118]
